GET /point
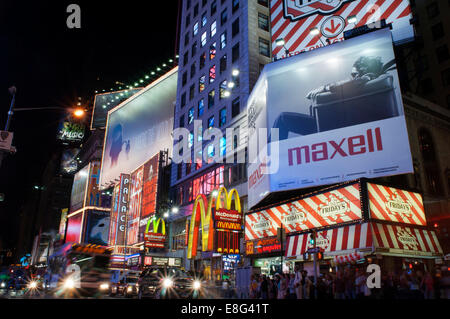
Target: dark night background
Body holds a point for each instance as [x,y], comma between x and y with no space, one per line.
[52,65]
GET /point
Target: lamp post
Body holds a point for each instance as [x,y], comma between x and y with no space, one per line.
[280,42]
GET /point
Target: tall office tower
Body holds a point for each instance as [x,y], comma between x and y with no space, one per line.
[428,61]
[224,44]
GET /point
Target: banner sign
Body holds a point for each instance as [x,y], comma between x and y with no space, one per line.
[79,189]
[150,188]
[330,208]
[227,219]
[294,20]
[70,132]
[396,205]
[327,116]
[162,261]
[69,163]
[63,222]
[74,228]
[263,246]
[97,227]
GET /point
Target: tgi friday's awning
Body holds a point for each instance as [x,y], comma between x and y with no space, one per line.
[378,238]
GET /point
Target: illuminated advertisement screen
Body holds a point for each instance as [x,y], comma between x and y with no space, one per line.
[135,205]
[327,116]
[97,227]
[105,102]
[79,186]
[293,21]
[74,227]
[330,208]
[139,128]
[396,205]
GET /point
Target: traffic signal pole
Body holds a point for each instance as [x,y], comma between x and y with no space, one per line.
[315,266]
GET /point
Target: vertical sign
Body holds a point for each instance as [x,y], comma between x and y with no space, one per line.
[123,208]
[135,205]
[114,216]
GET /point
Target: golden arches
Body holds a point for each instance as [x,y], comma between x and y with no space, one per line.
[156,225]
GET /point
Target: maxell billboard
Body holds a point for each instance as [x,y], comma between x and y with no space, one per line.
[327,116]
[309,24]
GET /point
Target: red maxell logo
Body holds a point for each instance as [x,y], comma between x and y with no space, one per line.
[350,146]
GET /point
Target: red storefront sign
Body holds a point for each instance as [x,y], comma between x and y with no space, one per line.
[227,219]
[262,246]
[154,240]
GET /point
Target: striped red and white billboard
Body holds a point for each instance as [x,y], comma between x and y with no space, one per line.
[334,240]
[330,208]
[396,205]
[293,20]
[405,240]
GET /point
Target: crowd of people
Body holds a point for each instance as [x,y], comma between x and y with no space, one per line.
[351,283]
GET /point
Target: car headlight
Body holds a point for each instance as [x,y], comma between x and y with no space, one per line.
[32,285]
[104,286]
[129,289]
[69,283]
[167,283]
[196,285]
[3,285]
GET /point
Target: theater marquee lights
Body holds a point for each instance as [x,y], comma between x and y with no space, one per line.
[202,212]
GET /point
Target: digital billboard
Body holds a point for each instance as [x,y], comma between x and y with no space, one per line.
[105,102]
[97,227]
[396,205]
[327,116]
[74,228]
[135,205]
[138,128]
[79,187]
[308,25]
[330,208]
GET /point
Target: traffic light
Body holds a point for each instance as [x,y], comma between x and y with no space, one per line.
[312,239]
[320,255]
[305,256]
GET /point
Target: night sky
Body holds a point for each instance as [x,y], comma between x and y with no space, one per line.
[52,65]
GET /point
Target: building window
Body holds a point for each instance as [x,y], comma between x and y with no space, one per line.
[432,10]
[201,83]
[204,2]
[202,60]
[235,53]
[223,17]
[204,19]
[183,99]
[194,48]
[446,77]
[438,31]
[264,47]
[184,78]
[235,28]
[263,22]
[191,140]
[430,164]
[223,63]
[212,73]
[203,39]
[211,95]
[223,117]
[442,53]
[264,3]
[213,29]
[191,115]
[235,108]
[211,122]
[193,69]
[223,40]
[223,146]
[191,92]
[213,7]
[195,10]
[235,5]
[188,20]
[186,39]
[181,123]
[179,170]
[186,58]
[188,4]
[222,89]
[195,29]
[201,107]
[212,51]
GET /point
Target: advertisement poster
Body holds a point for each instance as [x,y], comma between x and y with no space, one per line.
[139,128]
[94,197]
[70,132]
[105,102]
[150,189]
[97,227]
[63,221]
[329,116]
[69,163]
[330,208]
[79,187]
[294,20]
[135,206]
[396,205]
[74,228]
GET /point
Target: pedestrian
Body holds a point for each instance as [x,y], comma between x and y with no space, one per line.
[428,286]
[304,284]
[414,287]
[360,282]
[271,288]
[291,287]
[264,288]
[253,287]
[349,279]
[282,287]
[298,283]
[339,286]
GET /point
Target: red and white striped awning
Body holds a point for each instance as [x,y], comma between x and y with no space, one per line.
[353,257]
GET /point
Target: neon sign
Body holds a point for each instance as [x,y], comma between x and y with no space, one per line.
[155,239]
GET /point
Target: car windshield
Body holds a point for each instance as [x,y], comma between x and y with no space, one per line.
[132,279]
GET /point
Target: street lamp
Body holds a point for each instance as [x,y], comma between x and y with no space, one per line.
[352,19]
[280,42]
[315,31]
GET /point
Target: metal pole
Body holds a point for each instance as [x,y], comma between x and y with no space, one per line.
[315,267]
[12,90]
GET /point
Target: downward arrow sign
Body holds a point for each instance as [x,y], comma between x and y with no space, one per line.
[333,28]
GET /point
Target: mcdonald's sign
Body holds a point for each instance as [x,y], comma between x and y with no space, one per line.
[155,239]
[202,213]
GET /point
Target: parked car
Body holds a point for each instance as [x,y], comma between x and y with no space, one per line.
[127,287]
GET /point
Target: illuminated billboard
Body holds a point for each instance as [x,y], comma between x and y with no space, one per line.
[97,227]
[135,204]
[396,205]
[74,228]
[308,25]
[79,188]
[63,222]
[338,206]
[327,116]
[70,132]
[150,188]
[69,162]
[139,128]
[105,102]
